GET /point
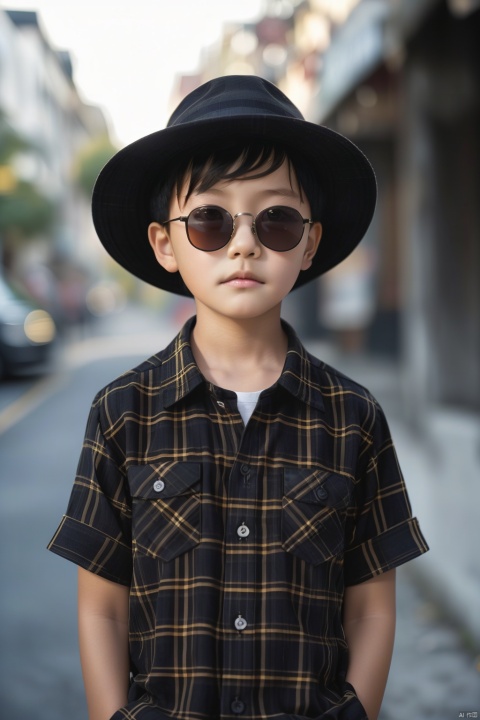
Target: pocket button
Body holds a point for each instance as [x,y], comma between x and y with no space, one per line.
[321,493]
[159,486]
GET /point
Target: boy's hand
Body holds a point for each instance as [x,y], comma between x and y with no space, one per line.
[103,634]
[369,625]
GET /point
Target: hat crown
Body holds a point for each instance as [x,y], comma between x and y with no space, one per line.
[234,96]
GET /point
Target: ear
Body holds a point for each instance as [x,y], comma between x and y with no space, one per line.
[162,247]
[313,241]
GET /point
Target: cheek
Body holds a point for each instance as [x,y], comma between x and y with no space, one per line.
[193,264]
[290,264]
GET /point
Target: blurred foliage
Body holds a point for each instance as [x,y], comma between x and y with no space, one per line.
[11,143]
[24,210]
[90,161]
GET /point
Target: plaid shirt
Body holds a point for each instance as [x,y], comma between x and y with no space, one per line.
[237,542]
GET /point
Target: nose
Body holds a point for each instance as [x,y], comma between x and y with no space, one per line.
[244,240]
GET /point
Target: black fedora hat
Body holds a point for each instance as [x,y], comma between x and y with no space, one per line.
[252,108]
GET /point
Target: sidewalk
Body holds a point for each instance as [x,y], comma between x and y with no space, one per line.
[432,675]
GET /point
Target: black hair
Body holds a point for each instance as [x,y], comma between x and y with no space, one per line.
[209,166]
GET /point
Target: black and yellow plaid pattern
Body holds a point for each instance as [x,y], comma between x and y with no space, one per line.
[237,542]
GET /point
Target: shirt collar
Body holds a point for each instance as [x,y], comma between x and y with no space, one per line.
[180,373]
[300,375]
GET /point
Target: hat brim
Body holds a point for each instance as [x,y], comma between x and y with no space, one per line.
[122,193]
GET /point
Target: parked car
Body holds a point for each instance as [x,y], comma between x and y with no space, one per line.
[27,332]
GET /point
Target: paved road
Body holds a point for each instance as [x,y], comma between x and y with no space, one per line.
[433,676]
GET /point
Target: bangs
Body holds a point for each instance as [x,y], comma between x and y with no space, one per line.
[237,162]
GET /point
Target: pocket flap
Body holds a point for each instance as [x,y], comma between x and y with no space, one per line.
[165,480]
[319,487]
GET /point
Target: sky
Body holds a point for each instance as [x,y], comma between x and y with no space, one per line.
[126,53]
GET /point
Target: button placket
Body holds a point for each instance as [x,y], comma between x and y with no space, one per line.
[240,571]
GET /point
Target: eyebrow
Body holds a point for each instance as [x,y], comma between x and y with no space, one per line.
[287,192]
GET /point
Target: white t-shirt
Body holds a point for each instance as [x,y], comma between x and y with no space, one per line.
[246,402]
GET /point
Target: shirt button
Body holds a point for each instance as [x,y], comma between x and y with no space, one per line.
[243,531]
[238,706]
[321,493]
[158,485]
[245,469]
[240,623]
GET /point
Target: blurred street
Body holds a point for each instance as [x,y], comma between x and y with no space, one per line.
[434,674]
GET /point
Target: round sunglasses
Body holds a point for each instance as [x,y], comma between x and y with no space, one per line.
[210,227]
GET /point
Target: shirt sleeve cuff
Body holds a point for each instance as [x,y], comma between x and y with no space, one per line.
[392,548]
[93,550]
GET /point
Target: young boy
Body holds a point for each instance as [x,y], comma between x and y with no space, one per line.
[238,511]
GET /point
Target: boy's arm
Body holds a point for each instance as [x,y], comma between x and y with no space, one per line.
[103,637]
[369,625]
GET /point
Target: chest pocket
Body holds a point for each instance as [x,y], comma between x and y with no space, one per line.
[166,508]
[312,506]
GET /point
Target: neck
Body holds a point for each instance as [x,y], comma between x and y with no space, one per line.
[243,355]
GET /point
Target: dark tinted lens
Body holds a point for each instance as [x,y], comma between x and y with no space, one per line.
[209,227]
[279,228]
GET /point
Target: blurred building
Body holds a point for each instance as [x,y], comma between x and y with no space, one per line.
[40,102]
[401,78]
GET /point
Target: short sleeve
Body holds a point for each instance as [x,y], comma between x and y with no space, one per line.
[95,532]
[383,533]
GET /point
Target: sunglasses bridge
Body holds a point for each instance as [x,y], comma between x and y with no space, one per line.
[253,225]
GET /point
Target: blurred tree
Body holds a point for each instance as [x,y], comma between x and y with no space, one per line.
[90,160]
[11,143]
[24,211]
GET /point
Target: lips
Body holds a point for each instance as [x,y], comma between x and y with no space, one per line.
[242,278]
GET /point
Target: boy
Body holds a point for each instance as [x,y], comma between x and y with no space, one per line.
[238,511]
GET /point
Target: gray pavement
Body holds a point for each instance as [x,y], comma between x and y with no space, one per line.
[433,675]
